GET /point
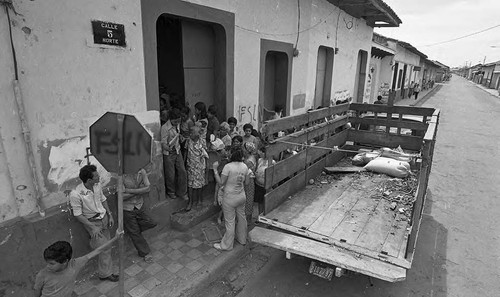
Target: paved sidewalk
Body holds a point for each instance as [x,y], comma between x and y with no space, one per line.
[422,96]
[182,260]
[493,92]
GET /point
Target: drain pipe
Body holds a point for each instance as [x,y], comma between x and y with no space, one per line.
[22,114]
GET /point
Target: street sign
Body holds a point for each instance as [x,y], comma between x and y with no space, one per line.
[104,140]
[108,33]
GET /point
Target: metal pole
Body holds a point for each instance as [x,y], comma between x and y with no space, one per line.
[121,245]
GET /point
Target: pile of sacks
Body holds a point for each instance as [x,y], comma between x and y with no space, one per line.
[393,162]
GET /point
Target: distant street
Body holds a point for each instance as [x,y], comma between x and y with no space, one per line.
[458,248]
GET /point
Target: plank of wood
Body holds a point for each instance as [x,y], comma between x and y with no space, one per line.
[378,227]
[422,111]
[341,211]
[355,219]
[327,112]
[328,254]
[275,197]
[273,126]
[285,168]
[397,237]
[313,198]
[391,123]
[317,151]
[385,140]
[315,169]
[349,169]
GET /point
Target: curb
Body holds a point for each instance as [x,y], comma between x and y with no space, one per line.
[186,287]
[427,96]
[482,88]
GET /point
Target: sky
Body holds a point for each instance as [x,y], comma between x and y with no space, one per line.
[426,22]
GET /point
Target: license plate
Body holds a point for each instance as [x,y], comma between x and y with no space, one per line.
[322,270]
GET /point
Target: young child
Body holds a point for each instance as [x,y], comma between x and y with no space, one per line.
[196,163]
[232,125]
[58,278]
[248,137]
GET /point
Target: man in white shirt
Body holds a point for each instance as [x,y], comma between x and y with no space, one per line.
[91,209]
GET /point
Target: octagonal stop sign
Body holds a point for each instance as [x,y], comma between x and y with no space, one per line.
[136,143]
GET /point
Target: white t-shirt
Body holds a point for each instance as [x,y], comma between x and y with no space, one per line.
[237,173]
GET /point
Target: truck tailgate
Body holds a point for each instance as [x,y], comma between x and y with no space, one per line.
[328,254]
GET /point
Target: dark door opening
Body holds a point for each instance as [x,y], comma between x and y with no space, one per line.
[395,76]
[324,70]
[276,81]
[191,62]
[359,85]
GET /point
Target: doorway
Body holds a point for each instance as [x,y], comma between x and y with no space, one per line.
[324,69]
[191,59]
[275,83]
[359,84]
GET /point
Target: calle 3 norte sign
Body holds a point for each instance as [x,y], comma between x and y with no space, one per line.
[108,33]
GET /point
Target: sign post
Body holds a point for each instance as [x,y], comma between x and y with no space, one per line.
[122,145]
[120,119]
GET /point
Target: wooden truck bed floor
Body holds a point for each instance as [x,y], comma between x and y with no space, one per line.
[352,211]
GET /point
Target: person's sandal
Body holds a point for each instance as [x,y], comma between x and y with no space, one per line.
[148,259]
[112,278]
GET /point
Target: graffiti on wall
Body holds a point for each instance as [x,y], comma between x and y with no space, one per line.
[340,96]
[248,114]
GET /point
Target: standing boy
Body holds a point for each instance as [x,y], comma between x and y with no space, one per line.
[91,209]
[173,163]
[135,218]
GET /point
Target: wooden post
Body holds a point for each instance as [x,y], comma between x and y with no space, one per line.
[121,244]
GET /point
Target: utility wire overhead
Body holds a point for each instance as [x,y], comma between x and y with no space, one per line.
[461,37]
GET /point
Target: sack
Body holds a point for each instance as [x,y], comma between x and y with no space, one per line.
[389,166]
[396,154]
[364,158]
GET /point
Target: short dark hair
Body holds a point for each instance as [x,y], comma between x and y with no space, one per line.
[237,137]
[237,155]
[185,110]
[247,126]
[87,172]
[212,109]
[174,114]
[202,108]
[232,120]
[379,97]
[59,251]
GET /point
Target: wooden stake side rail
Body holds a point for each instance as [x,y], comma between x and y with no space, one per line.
[413,143]
[301,120]
[392,123]
[417,111]
[425,170]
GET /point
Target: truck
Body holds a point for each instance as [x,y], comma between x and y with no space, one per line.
[353,220]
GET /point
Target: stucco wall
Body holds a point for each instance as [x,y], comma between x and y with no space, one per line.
[66,83]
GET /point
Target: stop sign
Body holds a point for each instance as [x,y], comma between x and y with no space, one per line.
[104,143]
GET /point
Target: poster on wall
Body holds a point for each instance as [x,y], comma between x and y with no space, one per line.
[108,33]
[384,90]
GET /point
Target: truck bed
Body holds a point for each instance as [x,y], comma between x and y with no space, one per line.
[352,211]
[364,222]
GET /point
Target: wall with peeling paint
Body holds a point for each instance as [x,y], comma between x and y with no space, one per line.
[66,83]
